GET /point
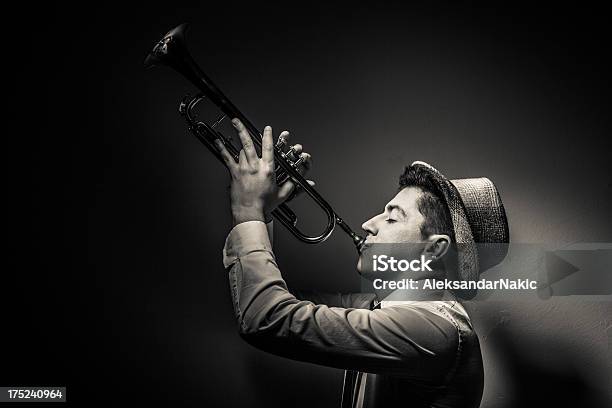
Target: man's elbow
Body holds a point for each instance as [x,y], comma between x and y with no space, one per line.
[254,324]
[268,313]
[255,333]
[269,319]
[248,327]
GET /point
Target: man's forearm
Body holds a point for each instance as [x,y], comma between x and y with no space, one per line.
[336,299]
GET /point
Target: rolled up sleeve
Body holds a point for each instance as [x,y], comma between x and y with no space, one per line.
[246,237]
[405,340]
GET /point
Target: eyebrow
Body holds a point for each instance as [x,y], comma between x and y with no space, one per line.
[391,207]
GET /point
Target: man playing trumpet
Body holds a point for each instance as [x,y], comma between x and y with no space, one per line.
[409,353]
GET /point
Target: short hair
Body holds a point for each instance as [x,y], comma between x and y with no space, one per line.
[431,204]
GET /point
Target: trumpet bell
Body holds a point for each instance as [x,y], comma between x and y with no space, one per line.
[169,50]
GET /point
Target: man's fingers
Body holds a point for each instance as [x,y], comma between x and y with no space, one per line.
[285,190]
[267,146]
[228,159]
[288,190]
[306,160]
[297,149]
[283,138]
[299,153]
[305,163]
[243,162]
[247,142]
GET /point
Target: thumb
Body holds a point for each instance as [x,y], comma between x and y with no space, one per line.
[288,191]
[285,190]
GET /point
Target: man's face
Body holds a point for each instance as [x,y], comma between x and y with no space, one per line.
[400,221]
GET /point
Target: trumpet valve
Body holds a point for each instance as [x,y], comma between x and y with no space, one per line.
[289,154]
[297,163]
[281,142]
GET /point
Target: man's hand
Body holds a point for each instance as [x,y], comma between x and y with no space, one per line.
[254,193]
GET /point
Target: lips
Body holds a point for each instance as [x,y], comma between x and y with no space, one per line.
[364,246]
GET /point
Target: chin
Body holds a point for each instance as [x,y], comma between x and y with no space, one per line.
[367,275]
[364,271]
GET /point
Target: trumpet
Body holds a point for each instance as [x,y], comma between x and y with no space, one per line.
[172,51]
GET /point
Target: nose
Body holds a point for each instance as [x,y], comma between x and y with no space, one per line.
[370,227]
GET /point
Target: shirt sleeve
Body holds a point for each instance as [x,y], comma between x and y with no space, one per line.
[406,340]
[246,237]
[337,299]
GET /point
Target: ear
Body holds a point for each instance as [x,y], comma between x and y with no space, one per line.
[437,246]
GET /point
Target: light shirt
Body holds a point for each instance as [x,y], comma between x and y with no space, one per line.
[407,353]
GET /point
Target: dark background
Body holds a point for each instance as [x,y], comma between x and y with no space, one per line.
[116,216]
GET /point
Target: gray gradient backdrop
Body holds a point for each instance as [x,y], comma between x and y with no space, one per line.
[127,213]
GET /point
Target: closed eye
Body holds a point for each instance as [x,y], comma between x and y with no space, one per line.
[390,220]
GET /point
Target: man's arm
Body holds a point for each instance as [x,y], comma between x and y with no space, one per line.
[355,300]
[346,300]
[406,340]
